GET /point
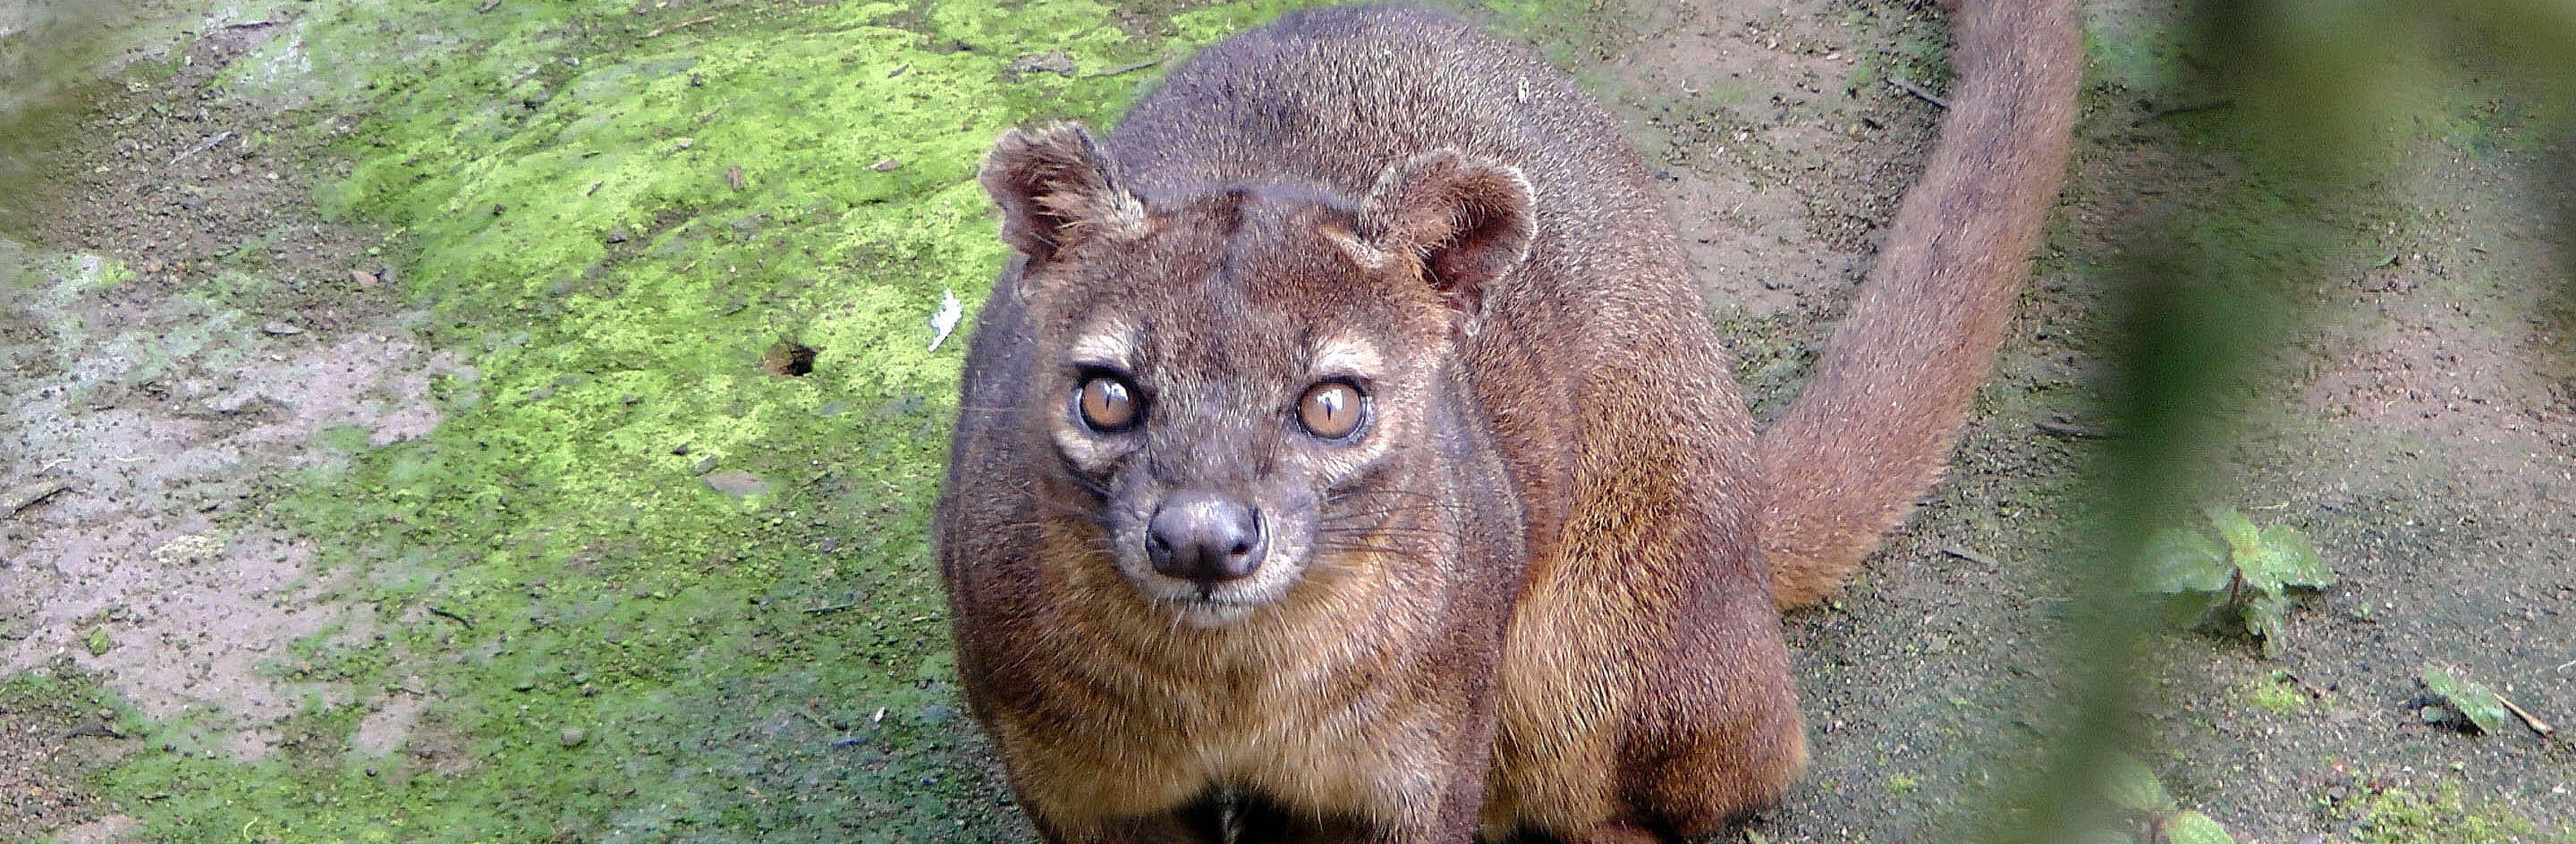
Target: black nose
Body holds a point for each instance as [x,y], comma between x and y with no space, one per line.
[1204,536]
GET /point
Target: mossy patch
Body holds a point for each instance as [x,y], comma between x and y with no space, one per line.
[2443,814]
[2277,693]
[650,578]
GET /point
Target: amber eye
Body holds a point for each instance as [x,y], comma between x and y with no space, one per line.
[1331,410]
[1108,405]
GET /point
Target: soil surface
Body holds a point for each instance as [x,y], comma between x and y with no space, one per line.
[207,356]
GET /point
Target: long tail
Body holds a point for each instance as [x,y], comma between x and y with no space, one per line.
[1875,425]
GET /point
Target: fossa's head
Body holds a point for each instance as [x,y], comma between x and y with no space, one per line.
[1238,379]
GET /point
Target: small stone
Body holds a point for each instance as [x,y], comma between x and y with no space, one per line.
[619,236]
[685,143]
[574,736]
[704,465]
[736,482]
[275,328]
[362,278]
[1051,61]
[886,164]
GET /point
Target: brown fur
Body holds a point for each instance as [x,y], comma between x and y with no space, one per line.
[1531,599]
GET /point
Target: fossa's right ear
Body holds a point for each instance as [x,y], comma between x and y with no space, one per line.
[1055,189]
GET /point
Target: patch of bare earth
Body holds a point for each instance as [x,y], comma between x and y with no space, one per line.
[185,333]
[2420,430]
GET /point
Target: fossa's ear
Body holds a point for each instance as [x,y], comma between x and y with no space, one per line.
[1468,221]
[1055,189]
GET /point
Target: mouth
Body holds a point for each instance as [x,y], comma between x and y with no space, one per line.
[1204,611]
[1206,607]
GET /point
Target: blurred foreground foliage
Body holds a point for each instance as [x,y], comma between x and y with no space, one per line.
[2314,94]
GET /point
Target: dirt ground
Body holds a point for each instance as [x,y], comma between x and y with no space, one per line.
[190,336]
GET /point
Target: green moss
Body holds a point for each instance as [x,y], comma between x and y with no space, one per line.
[2139,52]
[2277,694]
[608,217]
[2411,816]
[1902,784]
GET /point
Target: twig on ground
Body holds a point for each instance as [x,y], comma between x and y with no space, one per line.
[2314,692]
[202,146]
[660,30]
[1971,556]
[1920,92]
[2186,108]
[829,610]
[1125,68]
[819,723]
[90,731]
[2536,725]
[443,612]
[488,6]
[31,495]
[2063,428]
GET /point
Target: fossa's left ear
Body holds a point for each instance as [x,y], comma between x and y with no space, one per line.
[1468,221]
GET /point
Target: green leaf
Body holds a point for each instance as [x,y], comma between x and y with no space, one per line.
[2180,560]
[2104,835]
[2187,609]
[2264,614]
[2189,827]
[2243,538]
[2131,786]
[2474,701]
[2291,560]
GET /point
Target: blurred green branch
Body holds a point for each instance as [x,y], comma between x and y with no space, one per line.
[2326,93]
